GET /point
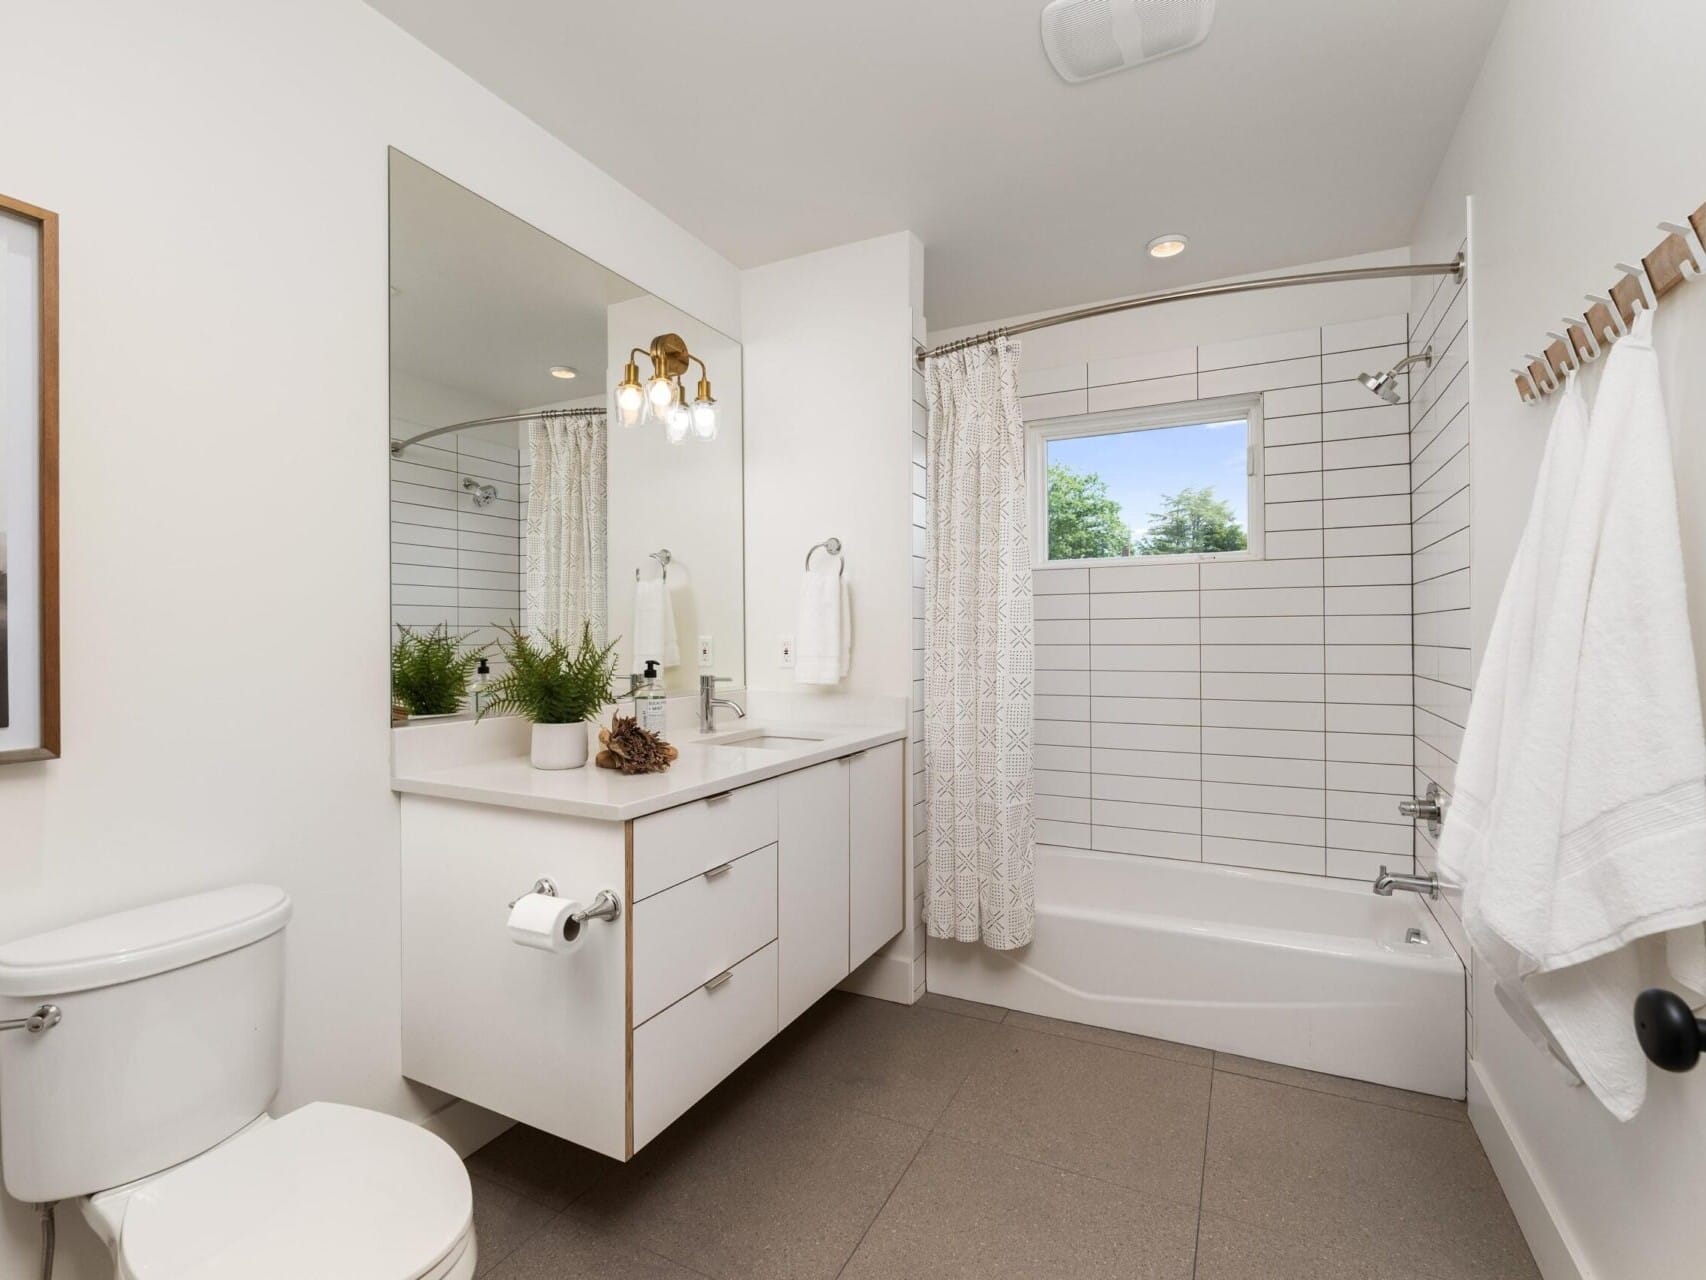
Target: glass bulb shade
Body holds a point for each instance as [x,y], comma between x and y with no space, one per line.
[676,422]
[660,391]
[705,419]
[630,396]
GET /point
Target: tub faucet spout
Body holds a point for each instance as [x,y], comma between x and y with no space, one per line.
[1387,881]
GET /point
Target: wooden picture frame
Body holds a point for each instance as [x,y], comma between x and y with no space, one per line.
[29,482]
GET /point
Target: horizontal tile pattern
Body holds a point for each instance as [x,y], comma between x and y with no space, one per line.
[1250,713]
[453,563]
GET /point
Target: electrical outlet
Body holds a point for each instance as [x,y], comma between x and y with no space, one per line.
[787,651]
[705,658]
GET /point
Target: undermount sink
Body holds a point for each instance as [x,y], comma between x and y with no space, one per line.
[762,739]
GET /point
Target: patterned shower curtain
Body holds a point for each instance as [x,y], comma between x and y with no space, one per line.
[567,527]
[978,659]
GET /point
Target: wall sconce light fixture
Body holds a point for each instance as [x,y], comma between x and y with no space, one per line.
[663,398]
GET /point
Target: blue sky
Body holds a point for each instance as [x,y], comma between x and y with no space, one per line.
[1140,466]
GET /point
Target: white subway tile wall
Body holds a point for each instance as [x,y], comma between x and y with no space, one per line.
[453,562]
[1249,713]
[1439,476]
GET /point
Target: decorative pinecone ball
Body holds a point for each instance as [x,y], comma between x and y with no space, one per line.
[627,748]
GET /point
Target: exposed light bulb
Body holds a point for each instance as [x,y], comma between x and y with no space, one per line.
[660,391]
[705,419]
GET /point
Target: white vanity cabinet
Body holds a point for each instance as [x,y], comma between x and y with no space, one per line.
[740,909]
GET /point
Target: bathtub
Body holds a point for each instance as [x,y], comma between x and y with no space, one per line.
[1311,973]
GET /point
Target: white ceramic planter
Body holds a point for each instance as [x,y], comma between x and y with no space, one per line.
[559,746]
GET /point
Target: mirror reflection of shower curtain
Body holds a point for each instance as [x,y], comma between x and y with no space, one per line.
[567,527]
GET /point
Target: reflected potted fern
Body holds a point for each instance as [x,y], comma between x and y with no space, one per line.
[560,688]
[430,671]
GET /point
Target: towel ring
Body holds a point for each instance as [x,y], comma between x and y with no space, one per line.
[831,545]
[663,558]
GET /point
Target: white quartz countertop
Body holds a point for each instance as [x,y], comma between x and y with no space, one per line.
[705,767]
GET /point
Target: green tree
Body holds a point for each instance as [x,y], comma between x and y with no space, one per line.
[1084,523]
[1192,520]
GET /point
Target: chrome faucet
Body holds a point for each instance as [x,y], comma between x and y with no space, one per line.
[1387,881]
[709,702]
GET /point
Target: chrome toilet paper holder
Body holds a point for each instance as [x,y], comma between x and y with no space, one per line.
[605,905]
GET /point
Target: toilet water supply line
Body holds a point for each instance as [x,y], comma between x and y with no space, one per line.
[46,1211]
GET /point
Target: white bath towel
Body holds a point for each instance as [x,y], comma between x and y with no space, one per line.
[823,636]
[1595,835]
[654,625]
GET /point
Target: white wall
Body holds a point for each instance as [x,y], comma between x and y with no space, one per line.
[220,172]
[830,452]
[1559,196]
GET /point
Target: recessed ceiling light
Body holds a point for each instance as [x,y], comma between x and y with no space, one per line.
[1167,246]
[562,371]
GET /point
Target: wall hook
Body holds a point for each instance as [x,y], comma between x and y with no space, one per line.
[1695,267]
[1572,361]
[1525,385]
[1549,382]
[1617,328]
[1648,298]
[1591,352]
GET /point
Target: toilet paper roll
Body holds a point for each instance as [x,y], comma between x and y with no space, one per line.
[545,922]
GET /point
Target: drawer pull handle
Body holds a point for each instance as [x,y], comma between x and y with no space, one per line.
[718,981]
[719,797]
[713,872]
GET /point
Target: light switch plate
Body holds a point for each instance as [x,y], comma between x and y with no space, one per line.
[705,652]
[786,653]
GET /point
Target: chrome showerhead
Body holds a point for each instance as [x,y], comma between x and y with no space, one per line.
[1385,385]
[482,493]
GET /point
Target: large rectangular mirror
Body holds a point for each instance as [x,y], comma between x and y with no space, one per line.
[525,489]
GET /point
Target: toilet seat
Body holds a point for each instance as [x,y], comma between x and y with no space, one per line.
[328,1191]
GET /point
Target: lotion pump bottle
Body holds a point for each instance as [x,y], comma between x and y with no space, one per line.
[651,704]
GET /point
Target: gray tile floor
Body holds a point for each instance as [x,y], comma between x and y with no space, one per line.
[951,1140]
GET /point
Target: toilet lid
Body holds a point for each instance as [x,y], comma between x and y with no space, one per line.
[327,1191]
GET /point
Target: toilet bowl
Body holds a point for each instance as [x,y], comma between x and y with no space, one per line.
[145,1097]
[325,1191]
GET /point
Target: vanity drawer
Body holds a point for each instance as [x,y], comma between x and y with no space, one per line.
[682,1053]
[688,934]
[677,844]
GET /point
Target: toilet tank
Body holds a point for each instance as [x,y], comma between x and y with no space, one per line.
[168,1043]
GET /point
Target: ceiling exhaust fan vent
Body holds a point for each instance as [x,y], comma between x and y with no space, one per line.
[1089,38]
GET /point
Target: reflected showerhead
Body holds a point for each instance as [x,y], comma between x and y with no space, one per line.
[1385,385]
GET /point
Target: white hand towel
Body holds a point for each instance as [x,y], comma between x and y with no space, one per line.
[1597,824]
[823,636]
[654,625]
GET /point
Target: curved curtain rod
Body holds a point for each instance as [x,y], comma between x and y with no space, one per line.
[1452,268]
[397,446]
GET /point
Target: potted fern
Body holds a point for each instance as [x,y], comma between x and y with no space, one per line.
[559,688]
[430,671]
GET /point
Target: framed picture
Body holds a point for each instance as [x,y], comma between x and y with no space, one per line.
[29,482]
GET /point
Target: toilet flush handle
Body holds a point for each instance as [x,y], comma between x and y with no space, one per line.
[43,1019]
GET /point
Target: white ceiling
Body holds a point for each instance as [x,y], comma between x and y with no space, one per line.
[1301,130]
[486,303]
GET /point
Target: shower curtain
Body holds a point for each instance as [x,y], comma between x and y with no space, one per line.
[981,829]
[567,527]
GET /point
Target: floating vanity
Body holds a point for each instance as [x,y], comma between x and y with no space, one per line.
[755,875]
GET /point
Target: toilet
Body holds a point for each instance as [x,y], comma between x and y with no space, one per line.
[146,1102]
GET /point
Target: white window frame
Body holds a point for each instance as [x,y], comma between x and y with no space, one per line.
[1122,422]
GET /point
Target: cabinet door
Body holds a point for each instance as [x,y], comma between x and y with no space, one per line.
[811,885]
[877,858]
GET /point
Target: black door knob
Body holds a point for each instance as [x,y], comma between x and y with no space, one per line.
[1670,1035]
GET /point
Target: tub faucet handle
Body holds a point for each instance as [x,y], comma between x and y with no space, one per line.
[1428,808]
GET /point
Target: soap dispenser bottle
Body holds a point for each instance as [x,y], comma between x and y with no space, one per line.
[651,704]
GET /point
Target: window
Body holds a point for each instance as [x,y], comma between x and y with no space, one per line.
[1174,482]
